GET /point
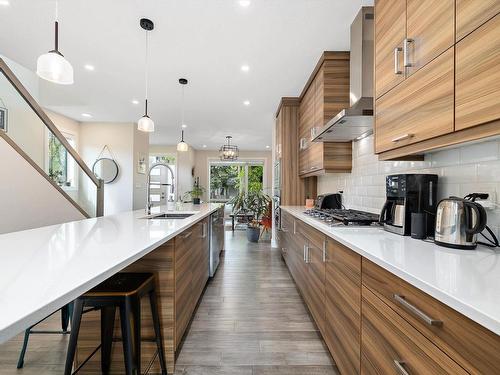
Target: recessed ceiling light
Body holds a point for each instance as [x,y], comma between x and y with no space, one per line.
[184,126]
[89,67]
[135,101]
[244,3]
[268,146]
[204,146]
[246,102]
[5,3]
[245,68]
[86,115]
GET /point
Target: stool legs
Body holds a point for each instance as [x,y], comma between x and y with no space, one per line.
[125,309]
[73,338]
[107,328]
[157,328]
[136,319]
[20,362]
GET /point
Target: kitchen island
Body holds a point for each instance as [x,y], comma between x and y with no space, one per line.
[45,268]
[383,300]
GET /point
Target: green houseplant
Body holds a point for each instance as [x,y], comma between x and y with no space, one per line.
[255,202]
[196,192]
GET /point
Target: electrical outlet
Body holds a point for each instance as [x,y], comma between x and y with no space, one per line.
[491,202]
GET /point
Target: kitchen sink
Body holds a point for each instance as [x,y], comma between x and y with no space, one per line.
[177,216]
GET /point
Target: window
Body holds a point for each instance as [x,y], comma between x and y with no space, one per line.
[61,165]
[160,177]
[228,179]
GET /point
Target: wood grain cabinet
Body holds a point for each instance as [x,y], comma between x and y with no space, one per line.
[325,94]
[390,31]
[191,273]
[342,328]
[420,108]
[442,87]
[293,190]
[470,14]
[372,321]
[477,96]
[390,345]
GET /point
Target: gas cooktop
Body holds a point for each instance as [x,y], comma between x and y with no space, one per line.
[344,216]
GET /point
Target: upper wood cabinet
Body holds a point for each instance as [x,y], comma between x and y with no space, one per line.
[390,31]
[470,14]
[477,97]
[430,30]
[447,91]
[419,109]
[293,190]
[325,94]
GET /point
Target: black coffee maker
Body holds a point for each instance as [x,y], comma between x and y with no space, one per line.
[410,195]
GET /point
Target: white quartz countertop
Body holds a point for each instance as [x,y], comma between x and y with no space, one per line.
[466,280]
[43,269]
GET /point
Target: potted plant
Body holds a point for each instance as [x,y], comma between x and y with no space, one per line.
[257,203]
[197,192]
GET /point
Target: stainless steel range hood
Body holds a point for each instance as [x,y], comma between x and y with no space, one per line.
[356,121]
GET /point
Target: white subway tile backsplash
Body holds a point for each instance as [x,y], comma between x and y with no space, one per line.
[477,152]
[463,170]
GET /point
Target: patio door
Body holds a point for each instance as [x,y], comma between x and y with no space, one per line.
[228,179]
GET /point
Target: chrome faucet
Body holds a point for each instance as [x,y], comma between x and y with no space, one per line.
[148,204]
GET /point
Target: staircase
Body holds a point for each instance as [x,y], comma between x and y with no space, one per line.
[43,180]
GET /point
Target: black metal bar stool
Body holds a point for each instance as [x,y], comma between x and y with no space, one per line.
[66,312]
[124,291]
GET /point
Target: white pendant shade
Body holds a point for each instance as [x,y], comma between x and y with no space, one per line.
[53,67]
[182,146]
[145,124]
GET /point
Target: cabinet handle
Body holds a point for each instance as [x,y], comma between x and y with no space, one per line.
[417,312]
[204,230]
[396,60]
[303,143]
[400,367]
[284,230]
[283,250]
[294,227]
[187,235]
[402,137]
[406,59]
[324,251]
[313,168]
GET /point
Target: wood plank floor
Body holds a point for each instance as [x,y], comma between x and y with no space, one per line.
[251,321]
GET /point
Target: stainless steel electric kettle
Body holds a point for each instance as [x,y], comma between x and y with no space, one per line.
[458,222]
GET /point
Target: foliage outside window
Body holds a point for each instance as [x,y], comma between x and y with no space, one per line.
[59,165]
[229,180]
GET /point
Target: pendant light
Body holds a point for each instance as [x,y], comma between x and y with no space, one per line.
[182,146]
[145,123]
[52,66]
[228,152]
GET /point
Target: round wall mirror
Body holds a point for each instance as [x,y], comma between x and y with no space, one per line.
[106,169]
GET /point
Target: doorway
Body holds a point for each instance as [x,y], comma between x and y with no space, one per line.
[228,179]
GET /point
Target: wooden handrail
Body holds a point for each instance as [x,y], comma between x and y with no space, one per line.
[46,120]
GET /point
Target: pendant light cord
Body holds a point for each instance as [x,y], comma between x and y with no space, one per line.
[182,115]
[56,28]
[147,75]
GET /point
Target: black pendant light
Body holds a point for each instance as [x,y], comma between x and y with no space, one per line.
[145,123]
[228,152]
[182,146]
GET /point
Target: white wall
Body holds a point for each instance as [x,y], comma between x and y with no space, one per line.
[201,166]
[467,169]
[118,196]
[141,149]
[27,199]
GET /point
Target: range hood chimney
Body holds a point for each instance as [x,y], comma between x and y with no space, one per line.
[355,122]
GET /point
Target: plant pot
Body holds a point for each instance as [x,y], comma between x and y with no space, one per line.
[196,200]
[253,234]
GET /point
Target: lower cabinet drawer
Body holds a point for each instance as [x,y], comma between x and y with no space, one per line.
[472,346]
[390,345]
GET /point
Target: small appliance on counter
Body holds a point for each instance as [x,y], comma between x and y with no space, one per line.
[460,220]
[330,201]
[409,194]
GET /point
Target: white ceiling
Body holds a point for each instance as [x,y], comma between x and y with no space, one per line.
[205,41]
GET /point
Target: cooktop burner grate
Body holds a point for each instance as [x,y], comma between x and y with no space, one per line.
[344,216]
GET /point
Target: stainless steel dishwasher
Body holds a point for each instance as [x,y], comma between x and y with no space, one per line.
[216,227]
